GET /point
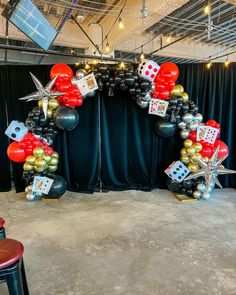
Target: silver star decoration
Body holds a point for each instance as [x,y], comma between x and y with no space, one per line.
[211,170]
[43,93]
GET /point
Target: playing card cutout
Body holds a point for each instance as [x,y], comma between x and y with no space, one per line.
[158,107]
[177,171]
[207,133]
[42,184]
[86,84]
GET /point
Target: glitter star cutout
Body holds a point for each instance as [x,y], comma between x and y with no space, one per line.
[211,170]
[43,93]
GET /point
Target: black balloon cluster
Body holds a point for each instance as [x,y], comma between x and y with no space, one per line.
[29,175]
[124,79]
[167,126]
[41,126]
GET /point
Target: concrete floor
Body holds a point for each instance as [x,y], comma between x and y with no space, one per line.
[129,243]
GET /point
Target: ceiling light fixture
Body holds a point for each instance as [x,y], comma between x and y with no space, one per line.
[209,64]
[122,65]
[87,66]
[207,9]
[227,62]
[121,25]
[168,39]
[107,48]
[142,54]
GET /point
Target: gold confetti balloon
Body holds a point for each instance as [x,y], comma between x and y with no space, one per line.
[38,151]
[30,160]
[188,143]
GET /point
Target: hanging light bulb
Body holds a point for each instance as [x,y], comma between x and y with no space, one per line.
[207,9]
[209,64]
[227,62]
[107,48]
[76,63]
[87,66]
[122,65]
[95,62]
[142,54]
[168,39]
[121,25]
[72,51]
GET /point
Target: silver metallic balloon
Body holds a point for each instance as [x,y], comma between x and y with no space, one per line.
[201,188]
[74,80]
[143,104]
[90,94]
[197,194]
[184,134]
[28,188]
[153,87]
[187,118]
[80,73]
[193,126]
[182,125]
[198,118]
[30,196]
[39,195]
[206,196]
[147,97]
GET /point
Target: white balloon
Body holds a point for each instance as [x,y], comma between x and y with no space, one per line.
[201,187]
[206,196]
[30,197]
[197,195]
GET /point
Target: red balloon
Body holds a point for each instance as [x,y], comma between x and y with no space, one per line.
[164,95]
[16,153]
[160,87]
[206,152]
[223,150]
[193,136]
[169,68]
[211,123]
[28,136]
[170,85]
[155,94]
[62,69]
[50,150]
[63,86]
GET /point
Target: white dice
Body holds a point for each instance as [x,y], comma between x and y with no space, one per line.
[16,130]
[177,171]
[148,69]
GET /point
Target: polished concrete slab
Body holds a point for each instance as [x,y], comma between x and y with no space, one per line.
[129,243]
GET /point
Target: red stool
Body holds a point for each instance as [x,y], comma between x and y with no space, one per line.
[2,229]
[12,269]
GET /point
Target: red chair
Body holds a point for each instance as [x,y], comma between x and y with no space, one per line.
[12,269]
[2,229]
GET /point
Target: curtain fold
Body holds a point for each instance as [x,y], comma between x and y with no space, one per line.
[133,157]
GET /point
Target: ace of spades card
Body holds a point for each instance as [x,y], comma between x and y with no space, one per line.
[158,107]
[42,184]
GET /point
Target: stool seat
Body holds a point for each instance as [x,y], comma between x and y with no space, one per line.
[2,222]
[10,252]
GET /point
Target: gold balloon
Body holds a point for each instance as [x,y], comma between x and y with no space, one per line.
[40,162]
[54,161]
[56,155]
[197,146]
[39,169]
[183,152]
[188,143]
[52,168]
[38,151]
[27,167]
[194,157]
[40,103]
[205,159]
[198,156]
[185,96]
[185,159]
[53,104]
[193,167]
[176,91]
[30,160]
[190,151]
[47,158]
[49,114]
[181,88]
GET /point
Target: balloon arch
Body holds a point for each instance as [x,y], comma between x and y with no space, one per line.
[152,87]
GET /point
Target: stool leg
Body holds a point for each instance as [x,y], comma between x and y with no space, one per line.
[24,280]
[14,283]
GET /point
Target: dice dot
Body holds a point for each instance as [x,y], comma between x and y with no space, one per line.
[180,166]
[141,68]
[150,67]
[147,73]
[185,171]
[182,174]
[17,129]
[155,70]
[152,75]
[144,63]
[174,172]
[13,135]
[179,177]
[177,169]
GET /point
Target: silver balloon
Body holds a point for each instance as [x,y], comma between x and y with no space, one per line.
[80,73]
[201,188]
[198,118]
[28,188]
[153,87]
[187,118]
[90,94]
[39,195]
[197,195]
[74,80]
[182,125]
[30,196]
[147,97]
[205,196]
[142,104]
[184,134]
[193,126]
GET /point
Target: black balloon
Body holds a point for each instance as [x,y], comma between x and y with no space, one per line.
[66,118]
[165,129]
[173,186]
[58,187]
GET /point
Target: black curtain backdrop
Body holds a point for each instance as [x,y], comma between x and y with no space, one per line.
[131,155]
